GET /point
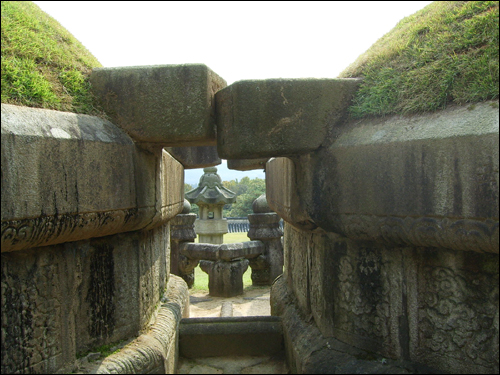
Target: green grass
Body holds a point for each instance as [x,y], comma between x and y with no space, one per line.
[43,65]
[447,53]
[201,278]
[105,350]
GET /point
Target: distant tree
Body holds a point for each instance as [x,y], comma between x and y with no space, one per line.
[247,190]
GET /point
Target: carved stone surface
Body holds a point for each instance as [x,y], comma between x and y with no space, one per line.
[49,230]
[225,279]
[456,234]
[457,312]
[369,299]
[61,300]
[434,307]
[69,177]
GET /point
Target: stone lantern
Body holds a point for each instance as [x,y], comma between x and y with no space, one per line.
[211,196]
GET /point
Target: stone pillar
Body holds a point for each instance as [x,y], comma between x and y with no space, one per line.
[225,279]
[264,226]
[182,230]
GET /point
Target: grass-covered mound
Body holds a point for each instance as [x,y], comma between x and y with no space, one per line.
[446,53]
[43,65]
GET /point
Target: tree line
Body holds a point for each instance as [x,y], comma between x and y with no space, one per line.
[247,190]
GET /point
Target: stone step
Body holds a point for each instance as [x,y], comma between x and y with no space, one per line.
[230,336]
[234,365]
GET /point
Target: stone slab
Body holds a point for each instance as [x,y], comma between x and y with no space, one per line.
[249,249]
[279,117]
[68,177]
[199,250]
[247,165]
[224,336]
[168,105]
[426,180]
[227,252]
[282,194]
[195,157]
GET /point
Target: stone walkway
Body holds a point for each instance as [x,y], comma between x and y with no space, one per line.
[233,365]
[253,302]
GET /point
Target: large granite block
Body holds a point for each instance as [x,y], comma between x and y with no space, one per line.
[195,157]
[247,165]
[68,177]
[279,117]
[169,105]
[426,180]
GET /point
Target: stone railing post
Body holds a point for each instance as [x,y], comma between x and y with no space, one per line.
[225,264]
[264,226]
[182,230]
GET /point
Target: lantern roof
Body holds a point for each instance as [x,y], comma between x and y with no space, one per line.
[210,190]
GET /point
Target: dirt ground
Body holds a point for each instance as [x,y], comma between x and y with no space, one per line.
[253,302]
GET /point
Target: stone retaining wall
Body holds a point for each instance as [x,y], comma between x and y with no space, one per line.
[391,236]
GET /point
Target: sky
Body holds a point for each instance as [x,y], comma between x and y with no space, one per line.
[237,40]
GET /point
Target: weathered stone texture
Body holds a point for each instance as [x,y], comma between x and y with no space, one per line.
[434,307]
[279,117]
[247,165]
[168,105]
[68,177]
[65,299]
[264,227]
[156,351]
[282,194]
[195,157]
[182,231]
[456,311]
[225,279]
[427,180]
[309,352]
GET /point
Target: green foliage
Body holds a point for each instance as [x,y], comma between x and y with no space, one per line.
[43,65]
[247,191]
[105,350]
[445,53]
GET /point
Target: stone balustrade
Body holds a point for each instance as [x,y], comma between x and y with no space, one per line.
[225,264]
[264,226]
[182,231]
